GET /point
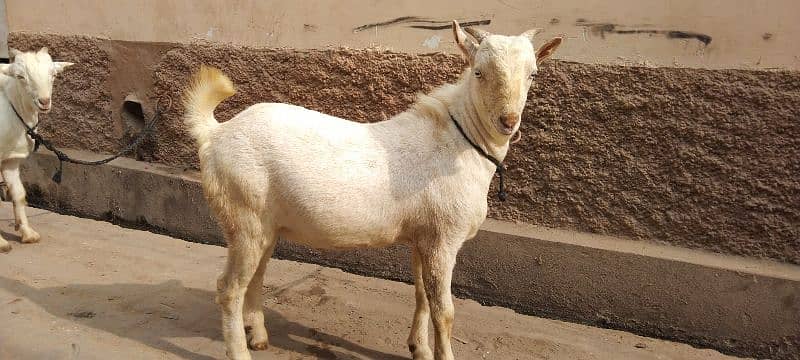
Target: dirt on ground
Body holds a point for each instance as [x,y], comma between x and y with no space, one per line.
[92,290]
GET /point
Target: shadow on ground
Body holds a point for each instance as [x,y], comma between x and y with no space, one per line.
[152,314]
[12,237]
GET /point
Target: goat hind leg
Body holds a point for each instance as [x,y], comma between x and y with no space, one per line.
[257,334]
[418,338]
[10,170]
[245,250]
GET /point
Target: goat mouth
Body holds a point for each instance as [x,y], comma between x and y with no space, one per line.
[44,109]
[505,130]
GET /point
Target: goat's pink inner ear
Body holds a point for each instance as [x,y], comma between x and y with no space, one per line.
[547,49]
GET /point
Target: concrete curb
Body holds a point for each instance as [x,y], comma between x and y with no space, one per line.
[739,306]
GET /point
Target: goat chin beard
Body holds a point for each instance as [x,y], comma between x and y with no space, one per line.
[518,135]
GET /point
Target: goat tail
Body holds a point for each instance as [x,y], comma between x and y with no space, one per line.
[209,87]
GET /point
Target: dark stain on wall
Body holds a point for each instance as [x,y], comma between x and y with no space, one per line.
[674,34]
[449,25]
[601,29]
[421,23]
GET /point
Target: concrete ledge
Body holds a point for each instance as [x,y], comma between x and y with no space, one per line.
[739,306]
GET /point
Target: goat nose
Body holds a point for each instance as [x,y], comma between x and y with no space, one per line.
[45,101]
[509,120]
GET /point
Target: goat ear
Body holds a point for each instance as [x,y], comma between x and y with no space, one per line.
[12,53]
[547,49]
[43,50]
[59,66]
[467,46]
[5,69]
[12,70]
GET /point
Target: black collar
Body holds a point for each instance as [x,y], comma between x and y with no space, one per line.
[501,193]
[28,128]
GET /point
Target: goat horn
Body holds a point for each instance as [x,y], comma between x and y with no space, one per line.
[478,34]
[531,33]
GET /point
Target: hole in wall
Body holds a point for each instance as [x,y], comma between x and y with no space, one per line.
[132,114]
[133,122]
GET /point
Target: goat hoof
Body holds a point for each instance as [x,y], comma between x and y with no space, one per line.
[5,248]
[31,237]
[257,340]
[31,240]
[420,352]
[258,346]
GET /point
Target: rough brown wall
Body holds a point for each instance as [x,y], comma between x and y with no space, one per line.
[698,158]
[706,159]
[363,85]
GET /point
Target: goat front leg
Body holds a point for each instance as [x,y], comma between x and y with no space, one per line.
[418,338]
[10,170]
[438,262]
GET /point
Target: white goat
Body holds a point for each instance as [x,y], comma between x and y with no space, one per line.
[282,170]
[27,86]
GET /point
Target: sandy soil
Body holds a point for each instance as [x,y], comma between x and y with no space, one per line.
[94,290]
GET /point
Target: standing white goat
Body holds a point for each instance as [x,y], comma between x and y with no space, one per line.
[282,170]
[27,86]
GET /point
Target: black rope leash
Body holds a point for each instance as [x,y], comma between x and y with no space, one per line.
[62,157]
[501,192]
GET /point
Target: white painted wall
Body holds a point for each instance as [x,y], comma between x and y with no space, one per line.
[744,33]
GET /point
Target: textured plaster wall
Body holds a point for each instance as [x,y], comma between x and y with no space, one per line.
[699,158]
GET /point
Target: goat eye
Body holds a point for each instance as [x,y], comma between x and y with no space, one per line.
[20,77]
[478,74]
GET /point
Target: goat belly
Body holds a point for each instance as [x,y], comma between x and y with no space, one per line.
[339,235]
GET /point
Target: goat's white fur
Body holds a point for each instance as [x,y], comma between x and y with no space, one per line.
[27,85]
[325,182]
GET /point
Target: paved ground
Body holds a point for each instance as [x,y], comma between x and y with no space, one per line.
[92,290]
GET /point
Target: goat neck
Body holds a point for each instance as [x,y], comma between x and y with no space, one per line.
[474,124]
